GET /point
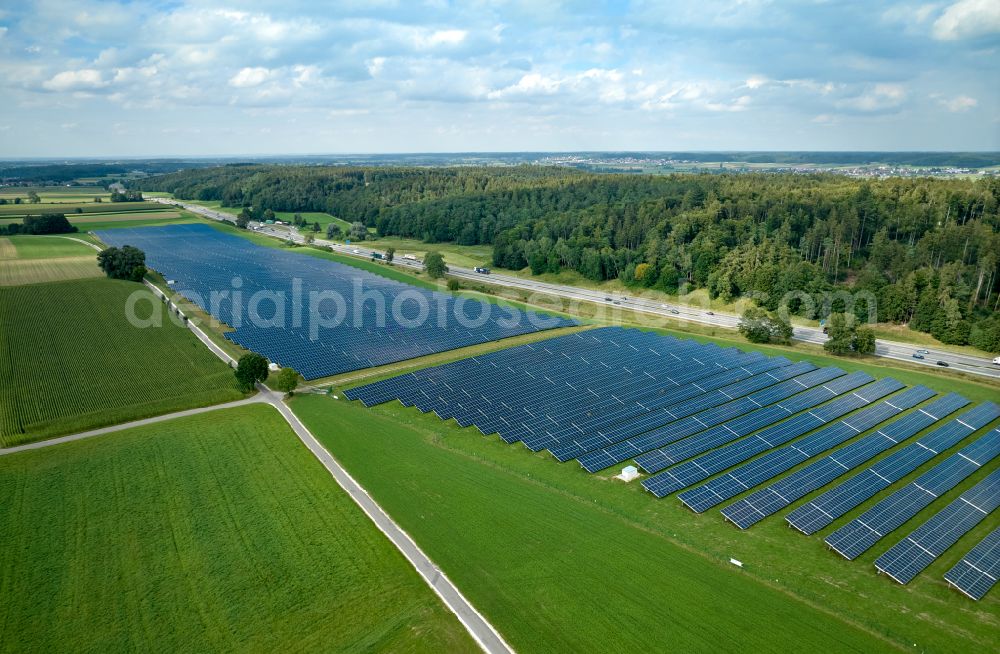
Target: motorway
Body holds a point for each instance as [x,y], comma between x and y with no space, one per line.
[888,349]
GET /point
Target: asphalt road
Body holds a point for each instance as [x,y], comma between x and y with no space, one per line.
[888,349]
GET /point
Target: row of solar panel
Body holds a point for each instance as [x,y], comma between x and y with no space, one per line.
[315,315]
[691,412]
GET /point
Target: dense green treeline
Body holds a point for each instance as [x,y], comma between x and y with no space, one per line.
[919,251]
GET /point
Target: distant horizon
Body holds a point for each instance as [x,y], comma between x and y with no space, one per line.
[264,155]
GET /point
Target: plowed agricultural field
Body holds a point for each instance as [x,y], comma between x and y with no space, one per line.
[70,361]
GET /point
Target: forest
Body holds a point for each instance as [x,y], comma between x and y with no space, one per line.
[917,251]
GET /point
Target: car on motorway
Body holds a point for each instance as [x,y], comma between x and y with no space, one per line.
[917,355]
[607,299]
[482,271]
[996,361]
[674,311]
[943,364]
[709,313]
[923,351]
[356,251]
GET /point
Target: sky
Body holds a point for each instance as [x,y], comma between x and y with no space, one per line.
[192,77]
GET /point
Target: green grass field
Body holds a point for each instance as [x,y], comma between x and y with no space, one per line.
[110,216]
[36,259]
[562,561]
[55,193]
[71,361]
[49,247]
[214,533]
[122,223]
[69,208]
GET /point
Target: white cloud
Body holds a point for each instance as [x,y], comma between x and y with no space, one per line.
[446,37]
[739,104]
[250,77]
[337,113]
[85,79]
[959,103]
[375,66]
[968,19]
[531,84]
[305,75]
[880,97]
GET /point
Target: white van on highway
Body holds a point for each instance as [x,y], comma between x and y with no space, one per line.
[996,361]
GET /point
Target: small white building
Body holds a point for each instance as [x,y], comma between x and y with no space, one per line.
[273,367]
[628,473]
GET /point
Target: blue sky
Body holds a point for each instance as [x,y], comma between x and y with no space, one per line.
[85,77]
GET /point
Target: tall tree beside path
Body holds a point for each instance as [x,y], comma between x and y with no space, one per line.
[287,380]
[126,262]
[251,369]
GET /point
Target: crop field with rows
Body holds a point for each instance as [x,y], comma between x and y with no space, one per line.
[61,369]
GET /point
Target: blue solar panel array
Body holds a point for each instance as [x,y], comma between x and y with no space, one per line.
[523,391]
[858,535]
[654,412]
[704,466]
[692,417]
[904,560]
[767,501]
[824,509]
[288,308]
[785,458]
[978,570]
[663,457]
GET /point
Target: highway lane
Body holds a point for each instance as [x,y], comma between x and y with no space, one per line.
[883,348]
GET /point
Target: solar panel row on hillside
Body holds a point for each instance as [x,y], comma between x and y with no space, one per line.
[828,389]
[647,412]
[702,467]
[767,501]
[524,392]
[690,417]
[857,536]
[978,570]
[824,509]
[316,315]
[674,389]
[904,560]
[785,458]
[514,391]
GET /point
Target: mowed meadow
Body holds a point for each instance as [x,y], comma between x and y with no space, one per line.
[217,532]
[33,259]
[71,361]
[562,561]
